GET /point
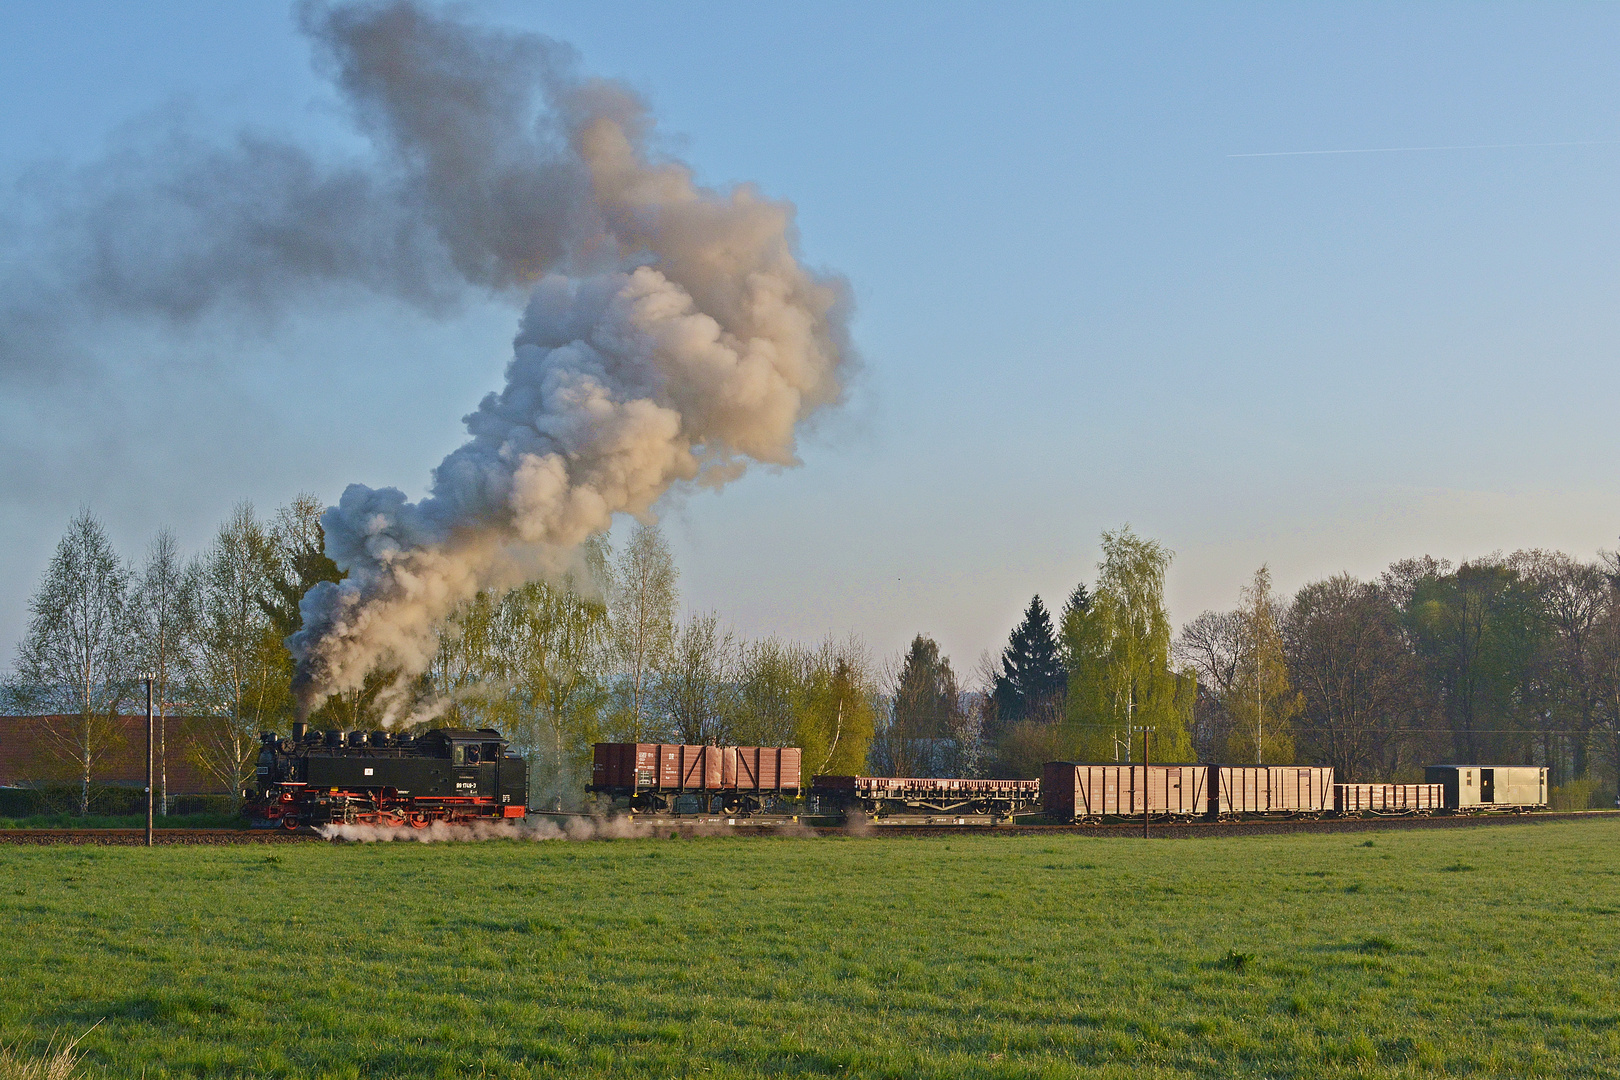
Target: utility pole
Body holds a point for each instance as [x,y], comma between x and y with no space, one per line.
[148,761]
[1145,781]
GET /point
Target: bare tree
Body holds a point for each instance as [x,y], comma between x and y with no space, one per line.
[242,672]
[644,599]
[1213,645]
[1347,656]
[164,614]
[770,693]
[1574,600]
[695,684]
[77,659]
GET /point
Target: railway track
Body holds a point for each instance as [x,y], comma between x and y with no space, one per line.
[1206,829]
[1158,830]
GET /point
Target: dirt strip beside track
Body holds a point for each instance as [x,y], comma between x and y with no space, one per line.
[137,837]
[1159,830]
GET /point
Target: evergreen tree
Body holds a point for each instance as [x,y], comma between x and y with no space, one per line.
[926,714]
[1032,679]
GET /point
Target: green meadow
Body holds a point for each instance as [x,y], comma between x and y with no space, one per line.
[1491,952]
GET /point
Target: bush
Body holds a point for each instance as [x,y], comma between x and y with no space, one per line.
[1578,795]
[105,801]
[204,804]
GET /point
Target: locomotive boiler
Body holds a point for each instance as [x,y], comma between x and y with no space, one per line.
[380,778]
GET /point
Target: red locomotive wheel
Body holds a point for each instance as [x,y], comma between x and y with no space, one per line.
[289,822]
[420,821]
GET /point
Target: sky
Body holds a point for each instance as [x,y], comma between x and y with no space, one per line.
[1103,275]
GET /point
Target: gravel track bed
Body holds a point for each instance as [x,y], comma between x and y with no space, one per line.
[1158,830]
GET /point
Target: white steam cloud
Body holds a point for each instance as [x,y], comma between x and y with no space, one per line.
[670,337]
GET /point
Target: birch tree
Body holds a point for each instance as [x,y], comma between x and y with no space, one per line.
[1123,680]
[77,660]
[164,619]
[242,672]
[644,599]
[838,722]
[770,692]
[1261,700]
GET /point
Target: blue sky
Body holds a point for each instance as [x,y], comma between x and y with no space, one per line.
[1076,307]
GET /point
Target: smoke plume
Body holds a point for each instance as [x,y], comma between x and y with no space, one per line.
[670,335]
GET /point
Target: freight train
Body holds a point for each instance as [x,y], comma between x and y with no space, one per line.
[379,778]
[464,776]
[667,779]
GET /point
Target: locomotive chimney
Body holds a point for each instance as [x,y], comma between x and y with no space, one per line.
[299,730]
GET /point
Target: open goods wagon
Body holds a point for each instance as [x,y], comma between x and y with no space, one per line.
[1270,790]
[669,778]
[888,796]
[1085,792]
[1478,788]
[379,778]
[1388,799]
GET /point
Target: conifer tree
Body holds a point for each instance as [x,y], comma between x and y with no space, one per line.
[1032,679]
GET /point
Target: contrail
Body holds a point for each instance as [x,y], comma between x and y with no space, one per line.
[1413,149]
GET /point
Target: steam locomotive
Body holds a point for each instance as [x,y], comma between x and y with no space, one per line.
[379,778]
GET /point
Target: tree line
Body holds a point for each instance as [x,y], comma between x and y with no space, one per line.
[1514,659]
[600,654]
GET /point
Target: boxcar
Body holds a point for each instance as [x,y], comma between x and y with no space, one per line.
[1073,791]
[1490,787]
[888,796]
[1270,790]
[1388,799]
[667,778]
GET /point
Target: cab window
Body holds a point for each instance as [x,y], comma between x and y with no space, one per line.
[458,755]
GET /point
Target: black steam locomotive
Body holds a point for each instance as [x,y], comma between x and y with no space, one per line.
[379,778]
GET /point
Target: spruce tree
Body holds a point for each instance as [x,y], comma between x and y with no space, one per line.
[1032,678]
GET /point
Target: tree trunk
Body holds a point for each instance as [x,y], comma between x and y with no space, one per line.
[84,790]
[163,762]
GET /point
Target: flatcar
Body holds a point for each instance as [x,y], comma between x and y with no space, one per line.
[679,779]
[378,778]
[1387,800]
[895,796]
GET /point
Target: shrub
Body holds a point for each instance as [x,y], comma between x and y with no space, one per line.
[1577,795]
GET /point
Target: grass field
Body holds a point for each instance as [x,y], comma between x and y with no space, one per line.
[1487,952]
[124,821]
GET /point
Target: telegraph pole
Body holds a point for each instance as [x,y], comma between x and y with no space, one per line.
[148,761]
[1146,781]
